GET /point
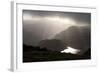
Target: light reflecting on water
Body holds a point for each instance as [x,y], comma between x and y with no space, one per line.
[70,50]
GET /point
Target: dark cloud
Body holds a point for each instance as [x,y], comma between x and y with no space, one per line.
[79,17]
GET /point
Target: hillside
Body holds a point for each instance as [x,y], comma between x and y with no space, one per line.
[37,54]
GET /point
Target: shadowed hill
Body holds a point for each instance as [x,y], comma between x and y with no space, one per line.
[76,37]
[53,44]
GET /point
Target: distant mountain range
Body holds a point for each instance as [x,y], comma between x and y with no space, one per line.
[75,37]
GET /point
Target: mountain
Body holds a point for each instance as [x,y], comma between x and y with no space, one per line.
[53,44]
[76,37]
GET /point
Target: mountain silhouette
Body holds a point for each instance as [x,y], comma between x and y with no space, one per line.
[53,44]
[76,37]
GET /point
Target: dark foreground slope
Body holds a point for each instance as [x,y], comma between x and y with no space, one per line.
[37,54]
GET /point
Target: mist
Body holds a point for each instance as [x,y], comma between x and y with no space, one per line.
[41,25]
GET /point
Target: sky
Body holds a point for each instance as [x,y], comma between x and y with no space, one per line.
[41,25]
